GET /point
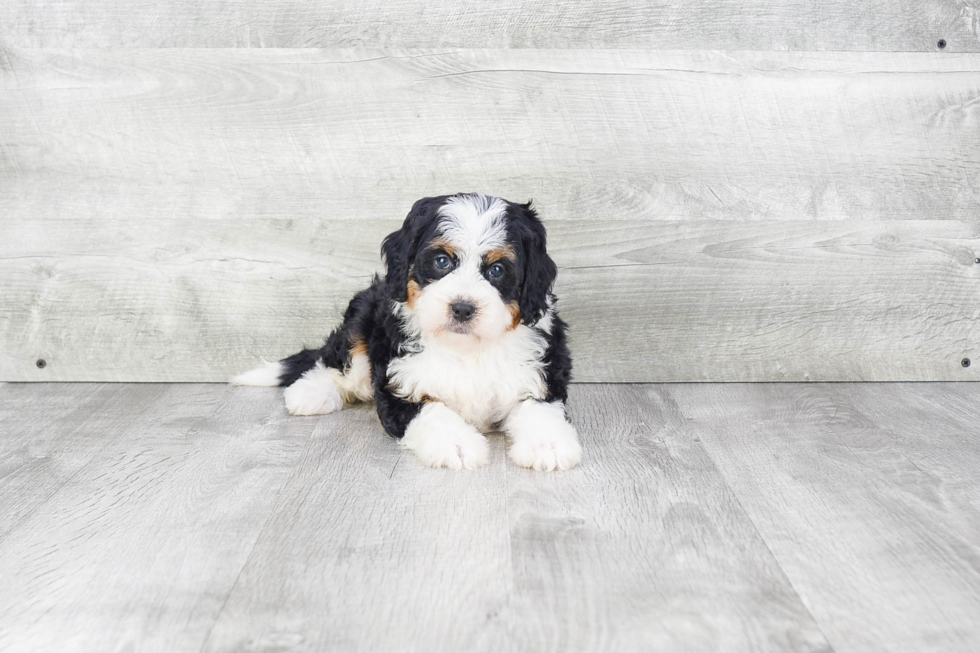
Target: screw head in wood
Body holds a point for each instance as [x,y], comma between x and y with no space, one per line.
[942,43]
[41,363]
[965,362]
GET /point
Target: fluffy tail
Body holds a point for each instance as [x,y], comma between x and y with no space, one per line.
[284,372]
[266,374]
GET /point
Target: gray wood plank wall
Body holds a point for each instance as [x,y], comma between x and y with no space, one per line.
[172,214]
[884,25]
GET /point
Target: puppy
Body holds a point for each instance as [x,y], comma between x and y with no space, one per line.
[459,338]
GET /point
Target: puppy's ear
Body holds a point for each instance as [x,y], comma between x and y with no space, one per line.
[394,251]
[400,247]
[539,270]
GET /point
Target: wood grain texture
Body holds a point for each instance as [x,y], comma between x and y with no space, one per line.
[371,551]
[734,517]
[865,496]
[159,495]
[186,300]
[730,215]
[709,24]
[360,134]
[43,444]
[597,551]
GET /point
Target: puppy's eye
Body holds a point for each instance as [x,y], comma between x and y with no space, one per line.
[495,270]
[442,262]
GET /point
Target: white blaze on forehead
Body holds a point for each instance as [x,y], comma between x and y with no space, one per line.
[474,223]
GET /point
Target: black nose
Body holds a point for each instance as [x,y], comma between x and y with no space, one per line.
[462,311]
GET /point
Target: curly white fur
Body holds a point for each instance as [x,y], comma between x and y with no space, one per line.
[481,384]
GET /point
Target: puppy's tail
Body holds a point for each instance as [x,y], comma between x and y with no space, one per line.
[284,372]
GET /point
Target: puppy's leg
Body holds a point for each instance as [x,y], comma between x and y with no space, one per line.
[541,437]
[317,392]
[437,434]
[441,438]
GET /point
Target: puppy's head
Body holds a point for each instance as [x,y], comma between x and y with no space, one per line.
[470,267]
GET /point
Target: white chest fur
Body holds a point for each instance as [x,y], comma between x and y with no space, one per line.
[482,384]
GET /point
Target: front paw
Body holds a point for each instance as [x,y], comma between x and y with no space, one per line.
[441,438]
[542,439]
[547,452]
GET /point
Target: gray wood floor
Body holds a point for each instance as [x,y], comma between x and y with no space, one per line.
[748,517]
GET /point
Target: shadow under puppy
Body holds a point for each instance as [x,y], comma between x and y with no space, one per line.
[459,338]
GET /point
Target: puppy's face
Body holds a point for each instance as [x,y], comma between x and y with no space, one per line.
[470,267]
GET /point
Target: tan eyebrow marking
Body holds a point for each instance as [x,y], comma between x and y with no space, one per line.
[495,255]
[444,245]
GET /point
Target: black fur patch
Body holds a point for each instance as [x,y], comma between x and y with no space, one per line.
[368,319]
[527,234]
[557,361]
[401,249]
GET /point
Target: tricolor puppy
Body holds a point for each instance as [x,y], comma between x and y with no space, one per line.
[461,337]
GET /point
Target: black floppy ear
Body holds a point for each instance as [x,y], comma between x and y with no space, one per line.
[394,251]
[539,270]
[399,247]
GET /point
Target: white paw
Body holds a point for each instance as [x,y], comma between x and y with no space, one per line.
[441,438]
[313,394]
[546,453]
[543,439]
